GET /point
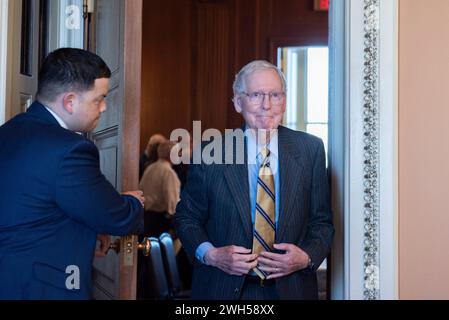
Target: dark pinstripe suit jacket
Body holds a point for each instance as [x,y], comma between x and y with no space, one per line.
[215,207]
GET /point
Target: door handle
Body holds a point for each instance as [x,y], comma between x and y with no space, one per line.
[144,246]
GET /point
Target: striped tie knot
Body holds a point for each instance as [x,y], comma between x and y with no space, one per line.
[265,154]
[265,161]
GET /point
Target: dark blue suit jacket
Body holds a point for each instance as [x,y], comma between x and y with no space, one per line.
[53,202]
[215,207]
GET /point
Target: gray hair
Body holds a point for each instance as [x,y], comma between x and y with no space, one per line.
[239,85]
[164,149]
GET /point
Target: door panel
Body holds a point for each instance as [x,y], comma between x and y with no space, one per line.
[106,136]
[104,277]
[24,50]
[114,276]
[107,144]
[109,32]
[105,273]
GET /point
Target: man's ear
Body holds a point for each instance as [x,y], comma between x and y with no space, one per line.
[67,102]
[237,104]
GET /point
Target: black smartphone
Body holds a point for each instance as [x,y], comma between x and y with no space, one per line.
[278,251]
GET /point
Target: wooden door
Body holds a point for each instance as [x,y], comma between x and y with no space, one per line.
[115,35]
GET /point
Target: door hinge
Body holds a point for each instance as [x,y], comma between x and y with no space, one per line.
[88,6]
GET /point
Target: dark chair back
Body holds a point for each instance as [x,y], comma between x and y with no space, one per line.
[170,264]
[157,276]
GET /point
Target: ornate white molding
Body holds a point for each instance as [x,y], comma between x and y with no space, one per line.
[363,148]
[371,148]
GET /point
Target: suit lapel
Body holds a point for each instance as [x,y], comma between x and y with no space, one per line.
[291,172]
[236,176]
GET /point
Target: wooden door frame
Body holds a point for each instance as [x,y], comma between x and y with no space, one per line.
[132,70]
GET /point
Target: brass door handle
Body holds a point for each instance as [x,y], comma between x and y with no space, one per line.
[145,246]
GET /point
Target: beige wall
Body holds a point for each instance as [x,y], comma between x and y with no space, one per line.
[424,149]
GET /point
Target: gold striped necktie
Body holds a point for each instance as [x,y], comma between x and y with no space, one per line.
[264,223]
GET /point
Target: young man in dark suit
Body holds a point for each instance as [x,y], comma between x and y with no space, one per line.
[261,228]
[53,198]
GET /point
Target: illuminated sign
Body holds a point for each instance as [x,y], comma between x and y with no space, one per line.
[321,5]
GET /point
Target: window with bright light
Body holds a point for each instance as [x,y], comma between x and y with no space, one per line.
[307,73]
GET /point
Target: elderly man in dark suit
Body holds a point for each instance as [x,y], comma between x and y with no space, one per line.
[259,229]
[53,198]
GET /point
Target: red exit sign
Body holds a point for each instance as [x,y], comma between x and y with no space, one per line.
[321,5]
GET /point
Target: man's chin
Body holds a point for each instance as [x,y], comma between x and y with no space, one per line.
[268,126]
[267,123]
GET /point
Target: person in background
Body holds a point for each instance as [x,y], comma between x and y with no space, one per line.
[54,200]
[161,188]
[149,155]
[258,230]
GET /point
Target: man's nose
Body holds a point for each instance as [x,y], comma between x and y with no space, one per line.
[103,108]
[266,103]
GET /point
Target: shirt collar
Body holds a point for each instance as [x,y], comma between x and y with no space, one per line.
[60,121]
[253,150]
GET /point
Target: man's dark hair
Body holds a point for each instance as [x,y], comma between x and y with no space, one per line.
[69,69]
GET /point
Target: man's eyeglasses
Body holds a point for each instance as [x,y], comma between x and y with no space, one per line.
[256,98]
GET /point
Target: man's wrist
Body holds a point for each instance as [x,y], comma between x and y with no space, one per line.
[207,257]
[202,250]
